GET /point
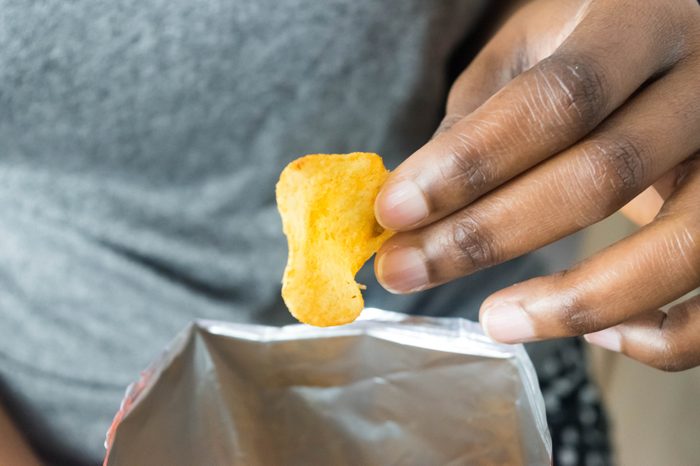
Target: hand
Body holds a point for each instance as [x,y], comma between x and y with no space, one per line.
[14,448]
[572,110]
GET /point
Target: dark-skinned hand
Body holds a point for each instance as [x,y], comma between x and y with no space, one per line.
[574,110]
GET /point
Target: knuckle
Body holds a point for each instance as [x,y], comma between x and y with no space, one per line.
[474,247]
[669,358]
[465,167]
[667,354]
[673,353]
[617,171]
[576,317]
[447,122]
[676,27]
[576,87]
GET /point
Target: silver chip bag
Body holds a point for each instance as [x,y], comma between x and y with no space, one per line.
[389,389]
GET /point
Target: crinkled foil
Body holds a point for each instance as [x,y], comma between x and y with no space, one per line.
[389,389]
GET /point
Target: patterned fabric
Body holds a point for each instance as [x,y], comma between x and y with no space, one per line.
[575,415]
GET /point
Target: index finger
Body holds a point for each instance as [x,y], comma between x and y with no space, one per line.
[538,114]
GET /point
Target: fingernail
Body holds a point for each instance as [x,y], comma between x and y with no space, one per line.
[402,270]
[609,339]
[508,322]
[401,205]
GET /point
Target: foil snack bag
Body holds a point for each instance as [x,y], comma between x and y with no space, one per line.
[389,389]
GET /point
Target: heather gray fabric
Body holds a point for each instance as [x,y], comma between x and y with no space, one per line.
[140,141]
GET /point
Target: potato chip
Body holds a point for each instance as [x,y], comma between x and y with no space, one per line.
[327,206]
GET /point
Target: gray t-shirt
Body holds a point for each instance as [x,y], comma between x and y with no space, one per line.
[140,142]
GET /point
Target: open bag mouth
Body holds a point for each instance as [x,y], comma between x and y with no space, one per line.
[387,389]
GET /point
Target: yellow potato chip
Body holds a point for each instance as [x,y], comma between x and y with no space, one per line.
[327,206]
